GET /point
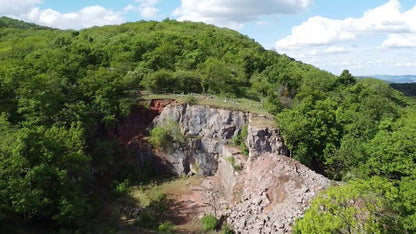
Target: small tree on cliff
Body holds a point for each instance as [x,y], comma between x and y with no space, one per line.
[167,136]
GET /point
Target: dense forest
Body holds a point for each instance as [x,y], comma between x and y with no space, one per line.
[62,94]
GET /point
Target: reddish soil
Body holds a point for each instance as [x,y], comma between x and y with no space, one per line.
[188,197]
[134,126]
[158,105]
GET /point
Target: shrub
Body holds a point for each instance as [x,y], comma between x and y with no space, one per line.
[226,229]
[239,140]
[191,100]
[167,135]
[121,188]
[209,222]
[166,227]
[147,220]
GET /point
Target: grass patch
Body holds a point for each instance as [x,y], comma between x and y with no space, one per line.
[233,163]
[209,222]
[242,104]
[227,229]
[166,227]
[150,207]
[263,122]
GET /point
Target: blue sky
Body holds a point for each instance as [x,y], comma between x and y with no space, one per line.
[367,37]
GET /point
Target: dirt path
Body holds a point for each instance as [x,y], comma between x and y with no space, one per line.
[188,198]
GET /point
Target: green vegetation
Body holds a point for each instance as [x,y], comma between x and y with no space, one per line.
[166,227]
[240,140]
[152,202]
[243,104]
[191,100]
[409,89]
[154,206]
[226,229]
[233,163]
[362,206]
[121,188]
[63,95]
[166,135]
[209,222]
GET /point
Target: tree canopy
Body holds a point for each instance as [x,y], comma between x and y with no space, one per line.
[62,92]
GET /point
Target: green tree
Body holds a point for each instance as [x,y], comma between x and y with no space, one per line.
[43,172]
[361,206]
[160,81]
[166,135]
[310,130]
[392,151]
[406,203]
[188,82]
[346,78]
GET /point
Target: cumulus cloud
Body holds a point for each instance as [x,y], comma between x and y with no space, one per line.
[332,50]
[234,14]
[85,17]
[388,18]
[30,11]
[17,7]
[400,41]
[147,8]
[317,31]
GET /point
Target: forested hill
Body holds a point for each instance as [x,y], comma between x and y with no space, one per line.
[62,94]
[6,22]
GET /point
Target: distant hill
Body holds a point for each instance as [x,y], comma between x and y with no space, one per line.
[6,22]
[397,79]
[408,89]
[403,83]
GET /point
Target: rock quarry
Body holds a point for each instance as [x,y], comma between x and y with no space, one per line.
[262,192]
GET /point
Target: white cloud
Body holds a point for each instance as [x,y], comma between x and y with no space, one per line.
[400,41]
[234,14]
[388,18]
[407,64]
[332,50]
[328,51]
[147,8]
[14,8]
[128,8]
[28,10]
[317,31]
[335,50]
[364,60]
[85,17]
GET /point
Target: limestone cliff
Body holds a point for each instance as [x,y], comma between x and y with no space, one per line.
[263,192]
[207,129]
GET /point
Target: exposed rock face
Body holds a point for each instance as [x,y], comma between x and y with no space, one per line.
[271,193]
[208,130]
[226,173]
[268,193]
[205,121]
[264,138]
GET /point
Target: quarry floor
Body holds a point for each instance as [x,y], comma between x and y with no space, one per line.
[187,204]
